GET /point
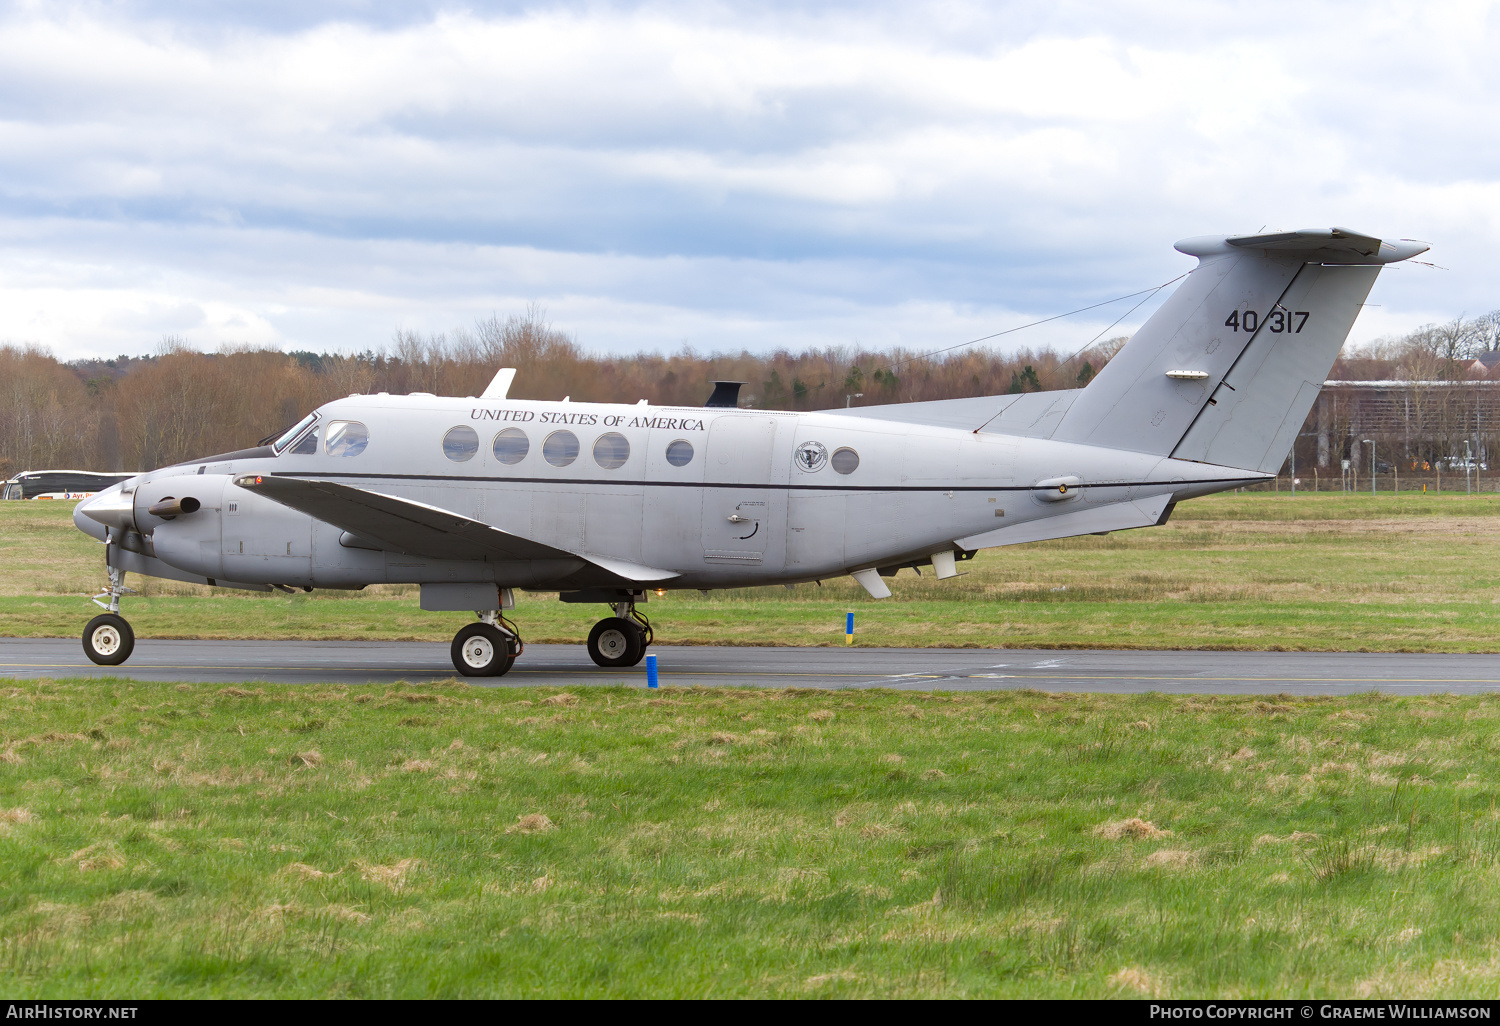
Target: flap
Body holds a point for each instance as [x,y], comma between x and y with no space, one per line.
[1116,516]
[404,525]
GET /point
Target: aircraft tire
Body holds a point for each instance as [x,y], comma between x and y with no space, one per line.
[108,639]
[615,643]
[480,650]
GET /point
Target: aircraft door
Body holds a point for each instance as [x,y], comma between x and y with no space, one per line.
[740,526]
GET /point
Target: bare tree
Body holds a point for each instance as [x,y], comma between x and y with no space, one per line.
[1486,331]
[46,418]
[1452,342]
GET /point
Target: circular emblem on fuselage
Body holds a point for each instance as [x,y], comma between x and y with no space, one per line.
[810,456]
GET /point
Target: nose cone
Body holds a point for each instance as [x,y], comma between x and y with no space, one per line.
[87,524]
[94,516]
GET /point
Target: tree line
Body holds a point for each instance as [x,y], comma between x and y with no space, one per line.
[138,413]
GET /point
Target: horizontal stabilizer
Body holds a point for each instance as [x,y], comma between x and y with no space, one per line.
[403,525]
[1330,246]
[1117,516]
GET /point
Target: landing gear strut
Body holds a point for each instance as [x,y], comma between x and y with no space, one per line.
[108,639]
[620,640]
[487,648]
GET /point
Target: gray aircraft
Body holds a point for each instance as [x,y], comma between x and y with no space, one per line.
[604,502]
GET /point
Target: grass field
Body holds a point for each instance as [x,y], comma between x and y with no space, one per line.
[415,841]
[1411,572]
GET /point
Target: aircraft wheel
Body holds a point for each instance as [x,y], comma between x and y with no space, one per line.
[616,642]
[480,650]
[108,640]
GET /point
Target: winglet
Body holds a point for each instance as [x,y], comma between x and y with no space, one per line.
[499,386]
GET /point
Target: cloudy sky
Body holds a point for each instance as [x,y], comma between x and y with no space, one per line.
[654,175]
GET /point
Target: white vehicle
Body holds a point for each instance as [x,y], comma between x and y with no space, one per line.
[60,484]
[604,502]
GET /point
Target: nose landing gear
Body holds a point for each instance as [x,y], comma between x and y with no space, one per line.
[487,648]
[108,639]
[620,640]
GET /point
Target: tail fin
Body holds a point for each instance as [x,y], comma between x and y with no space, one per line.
[1227,370]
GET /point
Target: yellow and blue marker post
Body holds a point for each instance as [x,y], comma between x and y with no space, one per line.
[849,629]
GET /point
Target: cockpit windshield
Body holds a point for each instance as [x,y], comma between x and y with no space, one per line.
[286,439]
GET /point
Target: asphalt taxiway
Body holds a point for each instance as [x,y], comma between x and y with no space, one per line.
[347,662]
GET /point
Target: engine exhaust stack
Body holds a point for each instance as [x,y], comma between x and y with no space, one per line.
[170,508]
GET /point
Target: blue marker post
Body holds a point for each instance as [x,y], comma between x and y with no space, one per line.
[651,671]
[849,630]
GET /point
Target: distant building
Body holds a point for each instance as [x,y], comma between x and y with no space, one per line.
[1409,421]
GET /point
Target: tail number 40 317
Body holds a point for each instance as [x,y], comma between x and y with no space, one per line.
[1276,321]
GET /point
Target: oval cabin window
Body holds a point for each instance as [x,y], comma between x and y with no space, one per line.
[560,448]
[346,438]
[511,446]
[611,450]
[845,461]
[460,443]
[680,453]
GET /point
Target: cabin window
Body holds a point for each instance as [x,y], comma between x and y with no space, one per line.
[511,446]
[460,443]
[611,450]
[560,448]
[307,445]
[680,452]
[845,461]
[345,438]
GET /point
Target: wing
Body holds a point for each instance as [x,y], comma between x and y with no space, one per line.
[1115,516]
[403,525]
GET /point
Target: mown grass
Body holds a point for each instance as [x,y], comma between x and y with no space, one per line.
[416,841]
[1410,572]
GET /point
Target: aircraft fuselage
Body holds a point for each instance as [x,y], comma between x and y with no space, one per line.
[719,497]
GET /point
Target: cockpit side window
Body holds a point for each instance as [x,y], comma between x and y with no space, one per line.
[307,445]
[345,438]
[286,438]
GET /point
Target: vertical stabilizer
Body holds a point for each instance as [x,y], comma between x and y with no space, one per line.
[1244,343]
[1252,418]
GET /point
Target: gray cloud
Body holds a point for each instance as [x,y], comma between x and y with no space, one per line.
[666,173]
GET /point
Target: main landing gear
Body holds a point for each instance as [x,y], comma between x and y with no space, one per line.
[620,640]
[108,639]
[487,648]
